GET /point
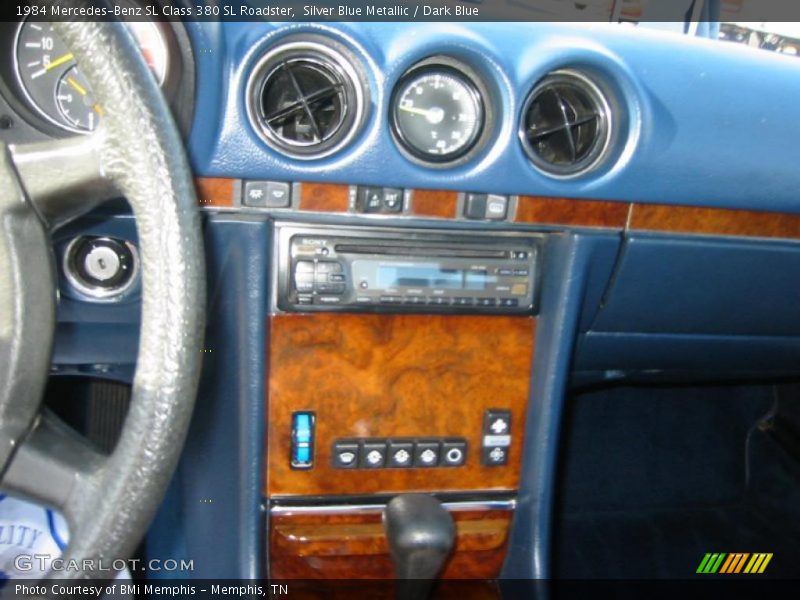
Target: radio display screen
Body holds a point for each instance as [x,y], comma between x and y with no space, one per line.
[432,276]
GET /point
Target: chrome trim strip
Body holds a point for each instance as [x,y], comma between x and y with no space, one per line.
[339,509]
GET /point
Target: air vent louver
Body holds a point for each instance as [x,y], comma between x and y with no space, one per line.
[305,99]
[565,125]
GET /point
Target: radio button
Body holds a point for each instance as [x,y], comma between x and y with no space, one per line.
[391,299]
[519,289]
[304,284]
[329,266]
[463,301]
[304,266]
[509,302]
[440,300]
[414,300]
[519,254]
[487,302]
[331,288]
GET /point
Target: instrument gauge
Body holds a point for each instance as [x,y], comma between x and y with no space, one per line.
[52,82]
[437,113]
[75,101]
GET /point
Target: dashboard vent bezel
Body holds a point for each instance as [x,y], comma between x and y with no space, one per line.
[327,60]
[594,97]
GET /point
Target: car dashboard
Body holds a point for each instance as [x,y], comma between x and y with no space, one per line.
[420,237]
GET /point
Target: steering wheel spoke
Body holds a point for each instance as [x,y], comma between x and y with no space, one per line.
[64,178]
[52,465]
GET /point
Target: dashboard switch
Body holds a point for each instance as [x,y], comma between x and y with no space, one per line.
[267,194]
[345,454]
[454,453]
[497,422]
[373,454]
[401,454]
[475,206]
[496,207]
[369,199]
[302,440]
[426,453]
[392,200]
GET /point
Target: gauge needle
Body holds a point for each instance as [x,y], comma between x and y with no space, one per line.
[59,61]
[415,111]
[83,92]
[77,86]
[433,115]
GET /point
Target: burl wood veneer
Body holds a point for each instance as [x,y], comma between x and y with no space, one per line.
[388,376]
[324,197]
[354,546]
[714,221]
[214,191]
[438,204]
[576,213]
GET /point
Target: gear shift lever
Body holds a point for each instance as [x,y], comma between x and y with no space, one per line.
[421,535]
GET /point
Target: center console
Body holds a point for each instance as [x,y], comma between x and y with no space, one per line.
[399,362]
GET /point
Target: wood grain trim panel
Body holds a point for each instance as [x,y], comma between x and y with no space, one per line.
[324,197]
[386,376]
[215,191]
[438,204]
[313,546]
[577,213]
[218,192]
[714,221]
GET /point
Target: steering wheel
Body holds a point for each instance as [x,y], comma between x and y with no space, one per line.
[136,152]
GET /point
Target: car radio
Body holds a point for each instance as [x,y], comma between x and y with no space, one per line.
[371,269]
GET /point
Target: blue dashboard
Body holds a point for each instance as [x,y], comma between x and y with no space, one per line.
[703,122]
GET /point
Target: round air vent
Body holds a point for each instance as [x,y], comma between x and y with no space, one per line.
[566,124]
[305,99]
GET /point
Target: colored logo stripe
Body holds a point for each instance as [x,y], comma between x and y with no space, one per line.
[711,562]
[721,562]
[758,563]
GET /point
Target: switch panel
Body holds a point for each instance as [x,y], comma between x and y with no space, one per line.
[379,200]
[496,437]
[401,453]
[303,440]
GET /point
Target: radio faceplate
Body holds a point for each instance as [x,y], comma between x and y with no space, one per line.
[385,270]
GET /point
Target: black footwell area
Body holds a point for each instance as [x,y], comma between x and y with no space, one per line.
[653,478]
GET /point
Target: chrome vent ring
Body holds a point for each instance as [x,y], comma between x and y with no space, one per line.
[305,98]
[566,125]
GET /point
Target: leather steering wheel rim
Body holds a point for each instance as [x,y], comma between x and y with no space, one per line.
[136,152]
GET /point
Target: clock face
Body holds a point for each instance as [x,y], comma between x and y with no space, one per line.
[437,114]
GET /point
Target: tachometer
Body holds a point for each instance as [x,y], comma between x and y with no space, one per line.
[52,82]
[437,113]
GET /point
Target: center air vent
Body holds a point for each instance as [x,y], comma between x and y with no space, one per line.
[566,125]
[305,99]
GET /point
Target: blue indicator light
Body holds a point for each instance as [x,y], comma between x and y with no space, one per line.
[302,440]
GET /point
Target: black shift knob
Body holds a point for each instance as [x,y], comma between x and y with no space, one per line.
[421,534]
